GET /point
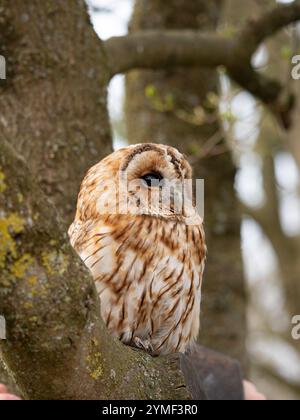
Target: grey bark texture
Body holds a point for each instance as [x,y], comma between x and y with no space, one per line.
[53,103]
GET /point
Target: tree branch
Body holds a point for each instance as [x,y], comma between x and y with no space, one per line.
[158,49]
[257,31]
[164,49]
[57,346]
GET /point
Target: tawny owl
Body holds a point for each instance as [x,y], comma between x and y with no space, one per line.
[137,230]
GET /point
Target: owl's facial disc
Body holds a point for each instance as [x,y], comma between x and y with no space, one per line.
[155,177]
[149,179]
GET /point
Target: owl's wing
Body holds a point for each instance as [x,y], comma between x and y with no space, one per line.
[74,232]
[84,235]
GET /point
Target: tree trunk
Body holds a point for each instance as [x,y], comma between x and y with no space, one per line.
[167,107]
[53,103]
[53,112]
[57,346]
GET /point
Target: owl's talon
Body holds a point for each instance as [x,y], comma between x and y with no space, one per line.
[143,345]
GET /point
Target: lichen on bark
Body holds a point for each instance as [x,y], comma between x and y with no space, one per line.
[52,311]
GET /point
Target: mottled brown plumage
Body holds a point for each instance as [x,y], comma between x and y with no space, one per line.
[147,259]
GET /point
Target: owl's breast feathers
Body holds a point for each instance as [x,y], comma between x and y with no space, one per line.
[148,273]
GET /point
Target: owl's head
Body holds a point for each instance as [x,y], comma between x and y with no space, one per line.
[145,179]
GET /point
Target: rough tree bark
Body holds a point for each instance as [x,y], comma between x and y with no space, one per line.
[53,103]
[159,119]
[57,347]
